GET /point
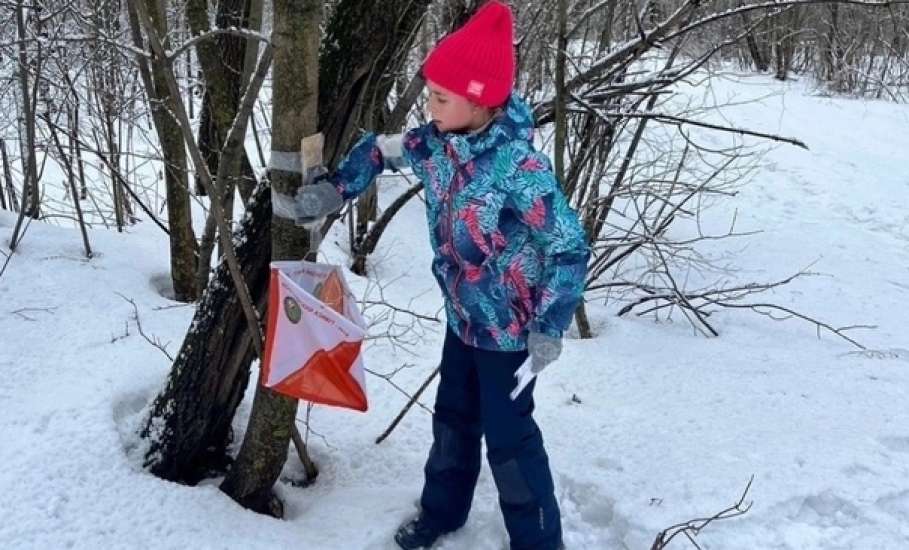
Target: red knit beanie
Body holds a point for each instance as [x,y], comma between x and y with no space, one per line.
[477,60]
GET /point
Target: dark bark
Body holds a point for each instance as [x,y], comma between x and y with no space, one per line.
[157,430]
[784,45]
[222,61]
[760,62]
[189,427]
[395,35]
[30,196]
[363,49]
[77,144]
[195,425]
[3,165]
[8,178]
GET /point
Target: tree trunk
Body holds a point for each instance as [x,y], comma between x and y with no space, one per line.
[30,194]
[8,178]
[364,45]
[113,162]
[193,414]
[251,50]
[295,115]
[189,427]
[222,61]
[561,116]
[71,181]
[364,80]
[760,62]
[183,247]
[4,168]
[784,44]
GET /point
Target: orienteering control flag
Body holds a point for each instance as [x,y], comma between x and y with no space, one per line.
[313,336]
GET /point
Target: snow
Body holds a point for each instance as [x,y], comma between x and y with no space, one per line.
[647,425]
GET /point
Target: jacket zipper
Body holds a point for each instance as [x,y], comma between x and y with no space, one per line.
[451,245]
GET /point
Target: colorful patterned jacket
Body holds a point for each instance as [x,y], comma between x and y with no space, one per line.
[510,254]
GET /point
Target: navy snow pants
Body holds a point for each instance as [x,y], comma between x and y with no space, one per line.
[473,401]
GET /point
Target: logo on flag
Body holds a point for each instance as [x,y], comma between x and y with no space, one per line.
[292,309]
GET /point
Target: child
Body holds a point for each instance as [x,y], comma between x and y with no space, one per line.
[510,258]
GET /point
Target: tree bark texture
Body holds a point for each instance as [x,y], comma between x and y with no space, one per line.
[189,425]
[294,114]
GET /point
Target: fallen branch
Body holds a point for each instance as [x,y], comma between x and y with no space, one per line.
[389,376]
[693,528]
[153,340]
[20,311]
[309,467]
[407,407]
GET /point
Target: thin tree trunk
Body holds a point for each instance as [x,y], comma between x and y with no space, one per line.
[183,248]
[71,142]
[30,196]
[222,61]
[295,115]
[561,129]
[251,54]
[71,178]
[113,162]
[561,118]
[5,168]
[760,62]
[606,37]
[76,140]
[8,178]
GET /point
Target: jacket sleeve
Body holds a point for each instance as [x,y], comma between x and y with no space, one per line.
[557,233]
[368,158]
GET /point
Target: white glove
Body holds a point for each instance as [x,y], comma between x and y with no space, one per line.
[391,145]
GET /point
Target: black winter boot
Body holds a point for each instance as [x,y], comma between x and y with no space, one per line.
[416,533]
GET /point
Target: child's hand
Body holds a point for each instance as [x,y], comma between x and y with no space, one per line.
[544,349]
[315,202]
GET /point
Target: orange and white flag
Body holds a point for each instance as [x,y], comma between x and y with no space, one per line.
[313,336]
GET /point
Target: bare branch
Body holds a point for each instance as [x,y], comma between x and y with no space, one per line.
[693,528]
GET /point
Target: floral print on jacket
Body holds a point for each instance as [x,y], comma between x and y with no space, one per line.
[509,252]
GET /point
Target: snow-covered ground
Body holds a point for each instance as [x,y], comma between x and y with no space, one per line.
[646,425]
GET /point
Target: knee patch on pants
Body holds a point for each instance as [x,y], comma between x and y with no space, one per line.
[512,485]
[450,450]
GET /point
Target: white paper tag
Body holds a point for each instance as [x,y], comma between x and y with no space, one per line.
[524,375]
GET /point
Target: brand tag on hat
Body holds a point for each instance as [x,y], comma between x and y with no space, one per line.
[475,88]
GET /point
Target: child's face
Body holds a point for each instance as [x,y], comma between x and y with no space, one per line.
[451,111]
